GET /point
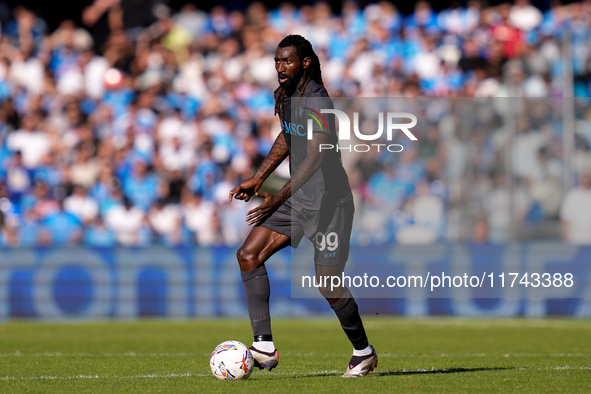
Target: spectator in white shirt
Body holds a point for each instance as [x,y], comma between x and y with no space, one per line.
[81,205]
[31,142]
[27,70]
[177,156]
[575,213]
[85,170]
[198,217]
[126,221]
[165,220]
[525,16]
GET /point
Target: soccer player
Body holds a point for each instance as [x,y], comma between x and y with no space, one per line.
[316,202]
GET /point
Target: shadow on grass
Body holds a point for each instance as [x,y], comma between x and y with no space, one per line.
[435,371]
[401,372]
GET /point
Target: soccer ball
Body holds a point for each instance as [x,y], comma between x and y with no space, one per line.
[231,360]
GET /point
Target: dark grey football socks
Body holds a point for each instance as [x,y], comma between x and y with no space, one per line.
[348,314]
[257,292]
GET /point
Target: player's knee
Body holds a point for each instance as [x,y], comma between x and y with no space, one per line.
[332,293]
[248,261]
[327,292]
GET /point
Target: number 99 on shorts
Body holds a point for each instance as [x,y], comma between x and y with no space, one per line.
[329,241]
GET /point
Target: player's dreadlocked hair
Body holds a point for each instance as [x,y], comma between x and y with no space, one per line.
[304,50]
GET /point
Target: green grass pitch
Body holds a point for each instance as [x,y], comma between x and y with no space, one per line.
[432,354]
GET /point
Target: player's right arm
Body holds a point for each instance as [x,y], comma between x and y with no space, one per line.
[246,189]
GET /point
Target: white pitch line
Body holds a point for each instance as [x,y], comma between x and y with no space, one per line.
[148,376]
[201,375]
[382,354]
[78,354]
[487,324]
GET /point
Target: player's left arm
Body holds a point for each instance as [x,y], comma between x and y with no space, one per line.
[309,166]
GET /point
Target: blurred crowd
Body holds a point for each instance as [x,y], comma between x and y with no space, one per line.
[131,127]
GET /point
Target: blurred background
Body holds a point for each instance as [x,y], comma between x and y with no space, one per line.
[127,122]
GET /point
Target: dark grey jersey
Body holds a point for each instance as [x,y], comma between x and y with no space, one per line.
[329,184]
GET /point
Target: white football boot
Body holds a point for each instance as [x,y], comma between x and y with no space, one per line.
[264,360]
[360,366]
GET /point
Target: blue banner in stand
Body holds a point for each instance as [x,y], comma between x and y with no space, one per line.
[85,283]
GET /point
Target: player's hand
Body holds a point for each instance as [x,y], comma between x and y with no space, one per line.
[263,211]
[245,190]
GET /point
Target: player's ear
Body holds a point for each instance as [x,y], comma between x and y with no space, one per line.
[307,62]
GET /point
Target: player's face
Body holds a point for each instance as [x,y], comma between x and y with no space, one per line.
[289,67]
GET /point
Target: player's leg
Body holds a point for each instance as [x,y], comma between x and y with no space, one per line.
[332,243]
[340,299]
[260,244]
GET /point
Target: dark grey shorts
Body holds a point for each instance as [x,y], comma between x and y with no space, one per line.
[329,229]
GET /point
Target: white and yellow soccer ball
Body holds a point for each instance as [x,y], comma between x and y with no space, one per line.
[231,360]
